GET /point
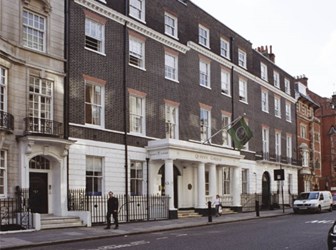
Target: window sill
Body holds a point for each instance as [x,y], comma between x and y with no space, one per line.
[243,101]
[174,37]
[225,94]
[95,51]
[138,19]
[171,79]
[137,67]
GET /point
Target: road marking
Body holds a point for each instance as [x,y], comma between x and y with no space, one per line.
[162,238]
[131,244]
[320,222]
[180,235]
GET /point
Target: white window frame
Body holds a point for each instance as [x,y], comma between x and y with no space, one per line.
[172,121]
[137,178]
[34,30]
[171,25]
[290,183]
[205,124]
[136,52]
[244,181]
[137,9]
[171,66]
[277,106]
[264,101]
[242,59]
[263,72]
[289,147]
[276,79]
[40,103]
[227,180]
[287,86]
[96,103]
[226,82]
[226,138]
[305,158]
[203,36]
[3,173]
[288,112]
[96,32]
[265,142]
[204,73]
[137,111]
[225,48]
[303,131]
[278,146]
[94,164]
[3,89]
[243,90]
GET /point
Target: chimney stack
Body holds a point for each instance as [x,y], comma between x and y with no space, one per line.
[264,50]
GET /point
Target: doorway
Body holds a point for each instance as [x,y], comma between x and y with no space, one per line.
[266,191]
[163,180]
[38,192]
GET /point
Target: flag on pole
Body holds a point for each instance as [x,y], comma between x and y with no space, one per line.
[240,133]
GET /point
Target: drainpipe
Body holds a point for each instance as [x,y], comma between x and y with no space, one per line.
[125,112]
[66,86]
[232,85]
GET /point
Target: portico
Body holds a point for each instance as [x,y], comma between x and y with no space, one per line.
[200,170]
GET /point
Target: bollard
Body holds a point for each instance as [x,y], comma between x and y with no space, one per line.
[209,212]
[257,208]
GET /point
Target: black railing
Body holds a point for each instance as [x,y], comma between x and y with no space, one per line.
[266,202]
[43,127]
[15,213]
[6,121]
[141,208]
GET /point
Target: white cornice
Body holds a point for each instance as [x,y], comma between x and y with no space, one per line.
[132,24]
[238,69]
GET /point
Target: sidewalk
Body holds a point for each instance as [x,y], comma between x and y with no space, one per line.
[25,238]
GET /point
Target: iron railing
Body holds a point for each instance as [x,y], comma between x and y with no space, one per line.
[43,127]
[266,202]
[141,208]
[6,121]
[15,213]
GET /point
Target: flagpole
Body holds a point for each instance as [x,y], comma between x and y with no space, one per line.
[231,124]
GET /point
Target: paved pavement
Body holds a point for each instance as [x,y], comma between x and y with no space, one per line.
[29,238]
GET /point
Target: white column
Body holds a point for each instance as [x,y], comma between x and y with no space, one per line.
[201,186]
[236,186]
[212,181]
[169,182]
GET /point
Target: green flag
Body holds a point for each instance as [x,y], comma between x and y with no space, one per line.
[240,133]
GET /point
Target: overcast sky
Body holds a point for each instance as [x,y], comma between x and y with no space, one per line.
[301,32]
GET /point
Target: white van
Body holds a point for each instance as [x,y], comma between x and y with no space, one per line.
[314,201]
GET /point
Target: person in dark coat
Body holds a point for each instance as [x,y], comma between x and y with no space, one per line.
[112,209]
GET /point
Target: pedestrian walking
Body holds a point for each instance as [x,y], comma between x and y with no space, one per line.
[218,205]
[112,209]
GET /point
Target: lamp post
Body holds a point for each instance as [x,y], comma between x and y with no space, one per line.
[148,214]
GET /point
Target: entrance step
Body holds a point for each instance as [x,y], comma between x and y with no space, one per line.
[227,211]
[50,221]
[187,214]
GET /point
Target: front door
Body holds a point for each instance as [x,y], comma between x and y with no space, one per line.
[266,191]
[38,192]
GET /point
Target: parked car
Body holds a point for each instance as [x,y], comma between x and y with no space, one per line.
[332,237]
[314,201]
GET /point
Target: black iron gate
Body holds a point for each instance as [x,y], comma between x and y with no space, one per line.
[15,213]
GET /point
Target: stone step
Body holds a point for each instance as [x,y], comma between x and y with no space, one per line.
[52,221]
[188,214]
